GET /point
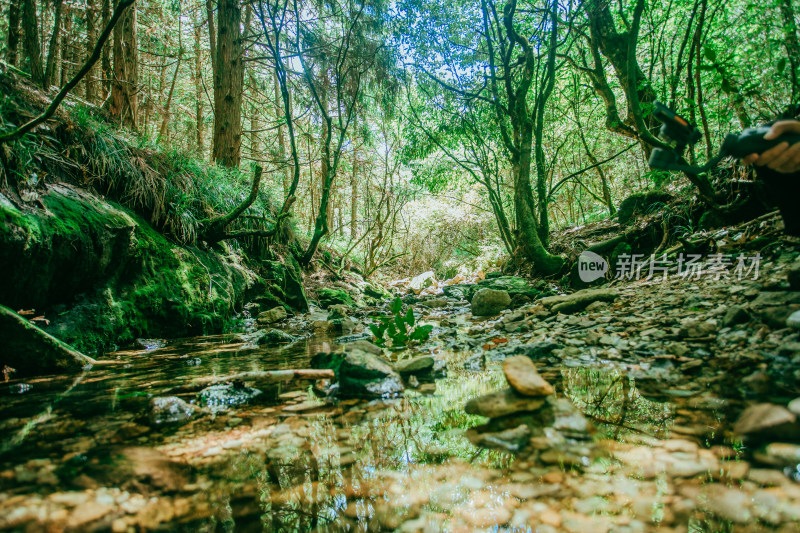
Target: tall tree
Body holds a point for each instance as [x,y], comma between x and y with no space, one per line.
[228,85]
[124,100]
[30,21]
[53,52]
[14,15]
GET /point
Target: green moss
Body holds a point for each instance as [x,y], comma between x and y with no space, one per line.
[329,297]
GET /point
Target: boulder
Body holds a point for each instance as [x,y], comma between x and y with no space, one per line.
[423,281]
[338,326]
[31,351]
[265,336]
[522,376]
[276,314]
[577,301]
[289,279]
[329,297]
[489,302]
[502,403]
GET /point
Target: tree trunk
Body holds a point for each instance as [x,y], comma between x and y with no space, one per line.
[105,61]
[124,105]
[198,89]
[52,53]
[354,198]
[792,45]
[14,13]
[162,132]
[32,47]
[228,83]
[212,37]
[281,137]
[91,38]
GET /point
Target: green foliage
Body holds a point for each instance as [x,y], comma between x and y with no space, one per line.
[399,328]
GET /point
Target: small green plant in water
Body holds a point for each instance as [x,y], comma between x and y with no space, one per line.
[399,328]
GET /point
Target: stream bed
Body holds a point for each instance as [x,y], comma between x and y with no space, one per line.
[86,453]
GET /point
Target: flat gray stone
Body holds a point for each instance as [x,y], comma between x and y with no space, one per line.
[501,403]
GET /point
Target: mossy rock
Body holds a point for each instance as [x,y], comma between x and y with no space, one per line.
[103,276]
[329,297]
[286,282]
[640,204]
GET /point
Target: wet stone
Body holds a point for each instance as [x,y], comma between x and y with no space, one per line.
[415,365]
[794,320]
[522,376]
[224,396]
[275,314]
[170,410]
[501,403]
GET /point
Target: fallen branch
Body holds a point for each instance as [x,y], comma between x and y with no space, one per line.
[259,376]
[51,109]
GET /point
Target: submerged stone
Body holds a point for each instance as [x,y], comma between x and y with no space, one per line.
[170,410]
[362,374]
[502,403]
[226,395]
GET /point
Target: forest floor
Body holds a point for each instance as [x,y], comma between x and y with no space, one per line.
[670,410]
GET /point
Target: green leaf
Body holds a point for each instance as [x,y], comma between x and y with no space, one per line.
[378,331]
[410,317]
[391,329]
[400,338]
[781,65]
[710,54]
[397,305]
[400,322]
[421,333]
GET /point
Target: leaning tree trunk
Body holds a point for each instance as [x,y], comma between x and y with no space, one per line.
[32,47]
[228,83]
[123,104]
[530,248]
[55,38]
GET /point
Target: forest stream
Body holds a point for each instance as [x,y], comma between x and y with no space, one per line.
[641,439]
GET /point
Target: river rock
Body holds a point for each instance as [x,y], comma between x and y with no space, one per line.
[338,311]
[222,397]
[489,302]
[501,403]
[423,281]
[170,410]
[577,301]
[329,297]
[766,420]
[794,320]
[779,454]
[363,374]
[415,365]
[275,314]
[692,328]
[436,303]
[522,376]
[736,314]
[509,440]
[793,276]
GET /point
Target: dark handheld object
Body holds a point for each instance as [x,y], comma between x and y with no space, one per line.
[675,128]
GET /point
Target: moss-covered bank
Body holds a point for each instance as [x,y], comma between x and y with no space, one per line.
[103,276]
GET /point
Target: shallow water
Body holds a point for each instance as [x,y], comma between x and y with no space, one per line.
[81,453]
